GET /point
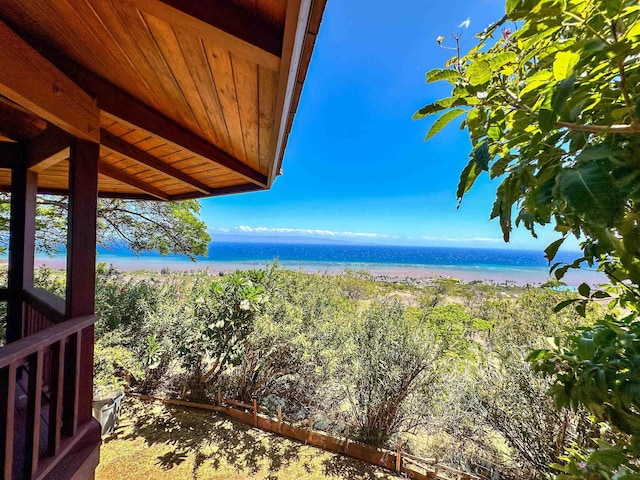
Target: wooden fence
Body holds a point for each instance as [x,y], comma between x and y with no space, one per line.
[414,467]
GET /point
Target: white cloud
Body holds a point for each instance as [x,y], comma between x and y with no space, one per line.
[305,231]
[466,23]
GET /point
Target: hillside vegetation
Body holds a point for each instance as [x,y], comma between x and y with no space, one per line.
[439,364]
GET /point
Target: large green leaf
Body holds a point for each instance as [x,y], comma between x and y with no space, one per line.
[591,193]
[479,72]
[441,74]
[428,110]
[481,156]
[442,121]
[564,64]
[537,80]
[467,178]
[511,5]
[439,105]
[596,152]
[561,93]
[502,59]
[551,251]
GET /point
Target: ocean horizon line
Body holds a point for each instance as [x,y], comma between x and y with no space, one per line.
[397,262]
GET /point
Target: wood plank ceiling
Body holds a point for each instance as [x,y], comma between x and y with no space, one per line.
[196,97]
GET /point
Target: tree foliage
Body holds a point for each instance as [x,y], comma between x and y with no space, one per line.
[393,359]
[439,361]
[164,227]
[215,337]
[552,106]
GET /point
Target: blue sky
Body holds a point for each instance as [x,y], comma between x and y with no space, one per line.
[356,166]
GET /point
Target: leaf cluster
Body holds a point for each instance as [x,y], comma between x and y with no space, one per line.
[553,110]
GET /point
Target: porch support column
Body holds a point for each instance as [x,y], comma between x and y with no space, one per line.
[24,186]
[81,260]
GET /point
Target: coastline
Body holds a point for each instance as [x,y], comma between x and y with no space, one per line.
[380,271]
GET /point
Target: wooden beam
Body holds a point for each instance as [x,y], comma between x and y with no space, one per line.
[114,172]
[222,23]
[119,106]
[123,195]
[296,26]
[28,79]
[19,126]
[10,155]
[47,149]
[154,123]
[117,145]
[244,188]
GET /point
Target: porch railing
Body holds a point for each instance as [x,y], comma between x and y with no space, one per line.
[41,309]
[38,425]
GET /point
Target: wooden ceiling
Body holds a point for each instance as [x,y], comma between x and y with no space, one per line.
[195,97]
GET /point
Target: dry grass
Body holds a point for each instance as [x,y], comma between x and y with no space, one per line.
[160,442]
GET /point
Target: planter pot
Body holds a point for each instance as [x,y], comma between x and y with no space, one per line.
[106,409]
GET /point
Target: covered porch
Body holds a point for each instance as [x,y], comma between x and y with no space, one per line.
[138,99]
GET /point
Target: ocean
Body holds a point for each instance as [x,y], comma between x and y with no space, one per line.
[386,262]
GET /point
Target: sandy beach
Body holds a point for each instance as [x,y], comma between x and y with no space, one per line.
[517,276]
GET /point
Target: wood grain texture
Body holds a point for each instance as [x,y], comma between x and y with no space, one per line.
[181,80]
[193,48]
[179,59]
[220,22]
[221,67]
[267,85]
[30,80]
[245,77]
[132,151]
[47,149]
[116,173]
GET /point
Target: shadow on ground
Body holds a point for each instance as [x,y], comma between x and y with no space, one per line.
[214,442]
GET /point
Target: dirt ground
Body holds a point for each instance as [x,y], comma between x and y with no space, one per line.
[158,442]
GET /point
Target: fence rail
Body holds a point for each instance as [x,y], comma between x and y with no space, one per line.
[414,467]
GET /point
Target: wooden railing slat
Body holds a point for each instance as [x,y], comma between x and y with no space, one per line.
[56,397]
[70,394]
[34,402]
[7,412]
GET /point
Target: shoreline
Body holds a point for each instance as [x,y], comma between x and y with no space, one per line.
[534,276]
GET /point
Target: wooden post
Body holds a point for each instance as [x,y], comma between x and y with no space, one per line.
[127,379]
[81,260]
[255,412]
[399,455]
[310,427]
[279,419]
[219,396]
[81,236]
[24,186]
